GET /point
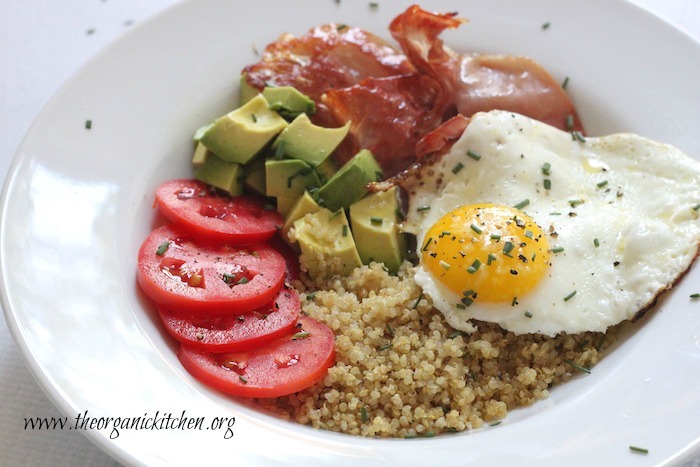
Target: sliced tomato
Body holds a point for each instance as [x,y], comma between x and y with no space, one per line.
[189,275]
[229,333]
[239,219]
[284,366]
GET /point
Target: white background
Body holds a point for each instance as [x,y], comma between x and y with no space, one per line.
[42,42]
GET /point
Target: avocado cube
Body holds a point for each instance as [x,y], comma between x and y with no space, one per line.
[245,91]
[304,205]
[288,102]
[201,153]
[308,142]
[376,229]
[239,135]
[227,176]
[326,242]
[289,178]
[349,184]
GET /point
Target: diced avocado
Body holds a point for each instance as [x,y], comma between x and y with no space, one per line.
[304,205]
[308,142]
[327,246]
[288,102]
[349,184]
[284,205]
[288,178]
[246,92]
[254,179]
[227,176]
[376,231]
[201,153]
[243,133]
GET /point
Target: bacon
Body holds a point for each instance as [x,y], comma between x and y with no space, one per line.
[482,82]
[327,57]
[388,116]
[443,137]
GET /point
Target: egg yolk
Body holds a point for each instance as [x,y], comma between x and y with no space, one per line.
[486,252]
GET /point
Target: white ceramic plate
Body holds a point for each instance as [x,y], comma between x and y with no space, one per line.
[77,204]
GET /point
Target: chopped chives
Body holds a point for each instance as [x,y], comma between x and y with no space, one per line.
[546,25]
[311,296]
[495,237]
[279,152]
[475,228]
[243,280]
[474,267]
[373,4]
[514,301]
[528,314]
[547,184]
[300,335]
[345,230]
[569,122]
[376,220]
[423,208]
[577,366]
[570,296]
[162,248]
[577,136]
[363,414]
[545,168]
[602,184]
[575,202]
[254,117]
[496,423]
[461,306]
[596,242]
[695,295]
[243,379]
[508,247]
[445,265]
[425,247]
[491,258]
[387,346]
[468,293]
[528,233]
[696,207]
[390,330]
[565,83]
[88,124]
[522,204]
[473,155]
[456,169]
[467,301]
[420,297]
[639,450]
[557,249]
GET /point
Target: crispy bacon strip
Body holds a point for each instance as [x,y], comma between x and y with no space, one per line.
[482,82]
[389,116]
[327,57]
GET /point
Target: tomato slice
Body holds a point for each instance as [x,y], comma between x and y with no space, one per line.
[229,333]
[284,366]
[188,275]
[240,219]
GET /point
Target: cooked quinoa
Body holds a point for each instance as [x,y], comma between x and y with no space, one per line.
[401,371]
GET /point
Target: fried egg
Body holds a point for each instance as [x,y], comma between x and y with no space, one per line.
[544,231]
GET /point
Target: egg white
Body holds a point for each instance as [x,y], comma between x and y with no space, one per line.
[635,233]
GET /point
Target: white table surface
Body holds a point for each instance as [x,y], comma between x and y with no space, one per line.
[42,42]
